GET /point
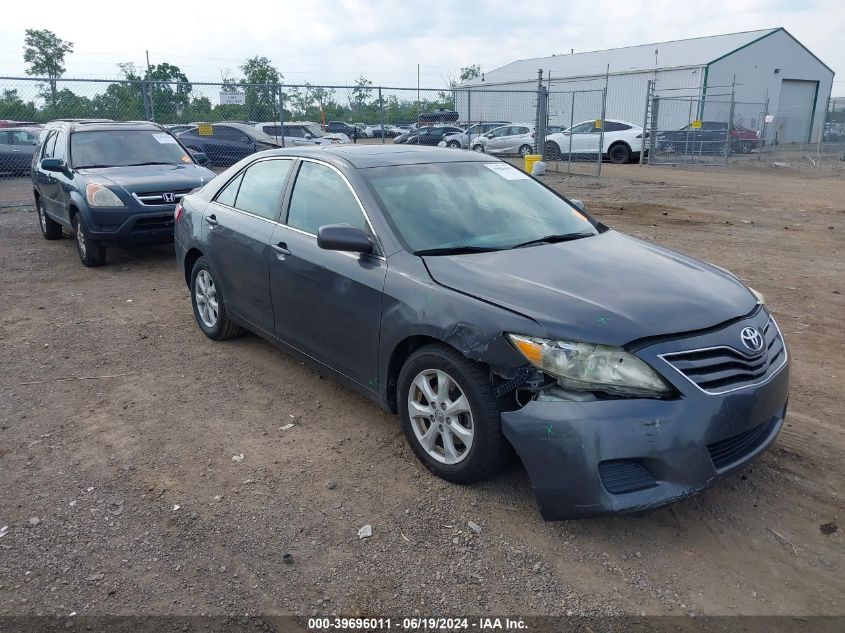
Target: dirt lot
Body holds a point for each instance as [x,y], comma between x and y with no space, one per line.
[121,494]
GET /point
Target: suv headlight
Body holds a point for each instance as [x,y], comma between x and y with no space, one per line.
[590,367]
[99,195]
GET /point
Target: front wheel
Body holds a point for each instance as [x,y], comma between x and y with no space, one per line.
[91,252]
[525,150]
[207,300]
[50,229]
[478,148]
[453,144]
[552,150]
[450,416]
[619,154]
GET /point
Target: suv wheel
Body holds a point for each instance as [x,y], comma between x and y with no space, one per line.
[207,301]
[450,416]
[91,252]
[50,229]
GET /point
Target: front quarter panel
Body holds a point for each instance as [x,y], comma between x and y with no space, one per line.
[415,305]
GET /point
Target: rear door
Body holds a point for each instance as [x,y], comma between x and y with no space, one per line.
[46,182]
[237,228]
[327,304]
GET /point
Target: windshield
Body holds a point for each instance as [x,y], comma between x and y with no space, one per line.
[120,148]
[480,205]
[314,130]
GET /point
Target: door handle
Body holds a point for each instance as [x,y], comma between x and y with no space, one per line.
[281,250]
[212,220]
[16,151]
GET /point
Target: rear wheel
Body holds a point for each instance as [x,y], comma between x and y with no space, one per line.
[207,301]
[450,416]
[478,148]
[50,229]
[746,147]
[619,153]
[525,150]
[453,144]
[552,150]
[91,252]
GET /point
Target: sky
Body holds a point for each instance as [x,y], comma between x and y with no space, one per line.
[336,41]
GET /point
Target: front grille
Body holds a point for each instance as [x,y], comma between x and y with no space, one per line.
[621,476]
[154,223]
[156,198]
[717,370]
[724,453]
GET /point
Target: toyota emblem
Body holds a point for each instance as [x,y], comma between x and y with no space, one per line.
[752,339]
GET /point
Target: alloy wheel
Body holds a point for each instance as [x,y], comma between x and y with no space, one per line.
[81,242]
[440,416]
[205,293]
[42,219]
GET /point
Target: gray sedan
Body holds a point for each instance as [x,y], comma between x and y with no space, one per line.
[493,316]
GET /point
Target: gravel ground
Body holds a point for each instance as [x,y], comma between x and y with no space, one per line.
[147,470]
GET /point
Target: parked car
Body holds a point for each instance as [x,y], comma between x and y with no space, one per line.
[228,142]
[111,183]
[466,139]
[622,142]
[178,128]
[427,135]
[492,314]
[340,127]
[507,139]
[709,138]
[17,145]
[554,129]
[300,133]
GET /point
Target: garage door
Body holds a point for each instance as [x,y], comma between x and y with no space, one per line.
[795,110]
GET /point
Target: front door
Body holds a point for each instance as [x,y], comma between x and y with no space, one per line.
[327,304]
[238,227]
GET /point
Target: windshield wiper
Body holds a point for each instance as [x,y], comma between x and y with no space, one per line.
[91,166]
[152,162]
[456,250]
[553,239]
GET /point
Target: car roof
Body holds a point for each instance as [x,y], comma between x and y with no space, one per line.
[366,156]
[95,125]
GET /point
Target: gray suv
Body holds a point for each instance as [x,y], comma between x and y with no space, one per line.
[111,183]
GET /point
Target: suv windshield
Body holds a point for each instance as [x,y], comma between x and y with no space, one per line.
[471,205]
[121,148]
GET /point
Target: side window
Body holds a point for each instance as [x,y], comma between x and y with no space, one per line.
[320,196]
[22,137]
[49,145]
[5,138]
[261,188]
[229,193]
[60,150]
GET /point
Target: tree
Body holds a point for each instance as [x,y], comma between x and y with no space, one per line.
[45,53]
[260,82]
[470,72]
[360,94]
[169,99]
[13,107]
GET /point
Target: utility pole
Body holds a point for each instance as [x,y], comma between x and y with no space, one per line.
[150,92]
[418,93]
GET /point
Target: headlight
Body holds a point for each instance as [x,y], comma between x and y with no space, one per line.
[760,298]
[589,367]
[99,195]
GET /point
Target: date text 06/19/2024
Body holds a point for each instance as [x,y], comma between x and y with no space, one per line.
[416,624]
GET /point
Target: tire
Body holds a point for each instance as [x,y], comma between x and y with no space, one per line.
[746,147]
[488,450]
[216,325]
[50,229]
[553,151]
[478,148]
[525,150]
[453,144]
[619,154]
[91,252]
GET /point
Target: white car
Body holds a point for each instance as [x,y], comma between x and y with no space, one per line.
[622,143]
[300,133]
[507,139]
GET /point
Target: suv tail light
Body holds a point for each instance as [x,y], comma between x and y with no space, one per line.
[177,212]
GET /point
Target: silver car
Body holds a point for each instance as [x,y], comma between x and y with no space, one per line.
[465,139]
[301,133]
[507,139]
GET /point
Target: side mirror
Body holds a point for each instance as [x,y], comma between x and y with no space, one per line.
[578,204]
[200,157]
[343,237]
[53,164]
[308,136]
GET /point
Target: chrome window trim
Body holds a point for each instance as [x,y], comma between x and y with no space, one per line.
[765,379]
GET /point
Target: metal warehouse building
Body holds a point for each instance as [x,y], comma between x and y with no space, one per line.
[757,74]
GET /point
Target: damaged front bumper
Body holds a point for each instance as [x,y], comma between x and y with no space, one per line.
[632,455]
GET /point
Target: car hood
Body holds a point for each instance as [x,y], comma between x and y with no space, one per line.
[609,288]
[148,178]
